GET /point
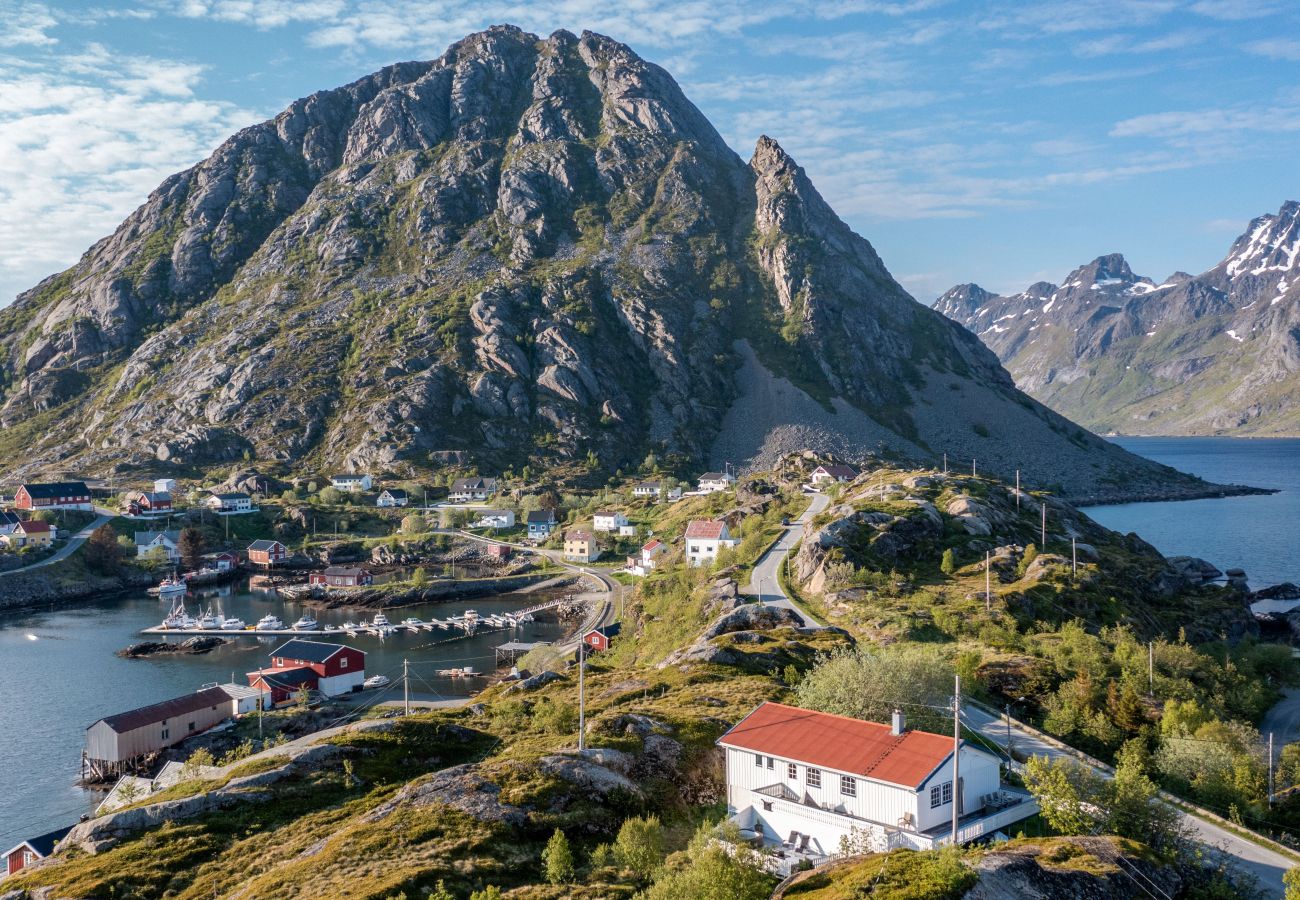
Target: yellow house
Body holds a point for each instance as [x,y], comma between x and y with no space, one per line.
[580,546]
[30,533]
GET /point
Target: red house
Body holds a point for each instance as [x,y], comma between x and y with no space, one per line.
[31,850]
[146,503]
[267,553]
[598,638]
[341,576]
[336,668]
[283,685]
[498,551]
[57,495]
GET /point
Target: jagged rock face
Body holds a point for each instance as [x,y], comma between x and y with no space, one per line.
[1207,354]
[524,250]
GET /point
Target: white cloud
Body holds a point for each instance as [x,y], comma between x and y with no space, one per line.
[1236,10]
[26,24]
[84,138]
[1276,48]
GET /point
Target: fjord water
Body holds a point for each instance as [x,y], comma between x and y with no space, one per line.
[61,674]
[1257,533]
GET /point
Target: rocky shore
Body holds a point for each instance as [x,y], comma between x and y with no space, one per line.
[405,594]
[48,587]
[203,643]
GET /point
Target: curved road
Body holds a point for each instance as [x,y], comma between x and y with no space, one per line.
[71,546]
[1263,862]
[764,583]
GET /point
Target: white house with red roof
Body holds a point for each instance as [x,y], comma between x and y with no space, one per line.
[833,474]
[705,538]
[644,562]
[806,781]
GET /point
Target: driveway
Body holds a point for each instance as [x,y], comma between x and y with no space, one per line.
[1283,720]
[1266,864]
[764,584]
[71,546]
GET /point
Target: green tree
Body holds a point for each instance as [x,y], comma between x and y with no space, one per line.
[491,892]
[440,892]
[190,546]
[303,697]
[867,682]
[639,845]
[558,859]
[949,563]
[1291,884]
[1031,554]
[419,578]
[707,871]
[1066,792]
[412,524]
[200,757]
[331,496]
[102,552]
[555,716]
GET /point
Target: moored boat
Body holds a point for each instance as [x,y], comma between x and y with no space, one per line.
[270,623]
[305,623]
[377,681]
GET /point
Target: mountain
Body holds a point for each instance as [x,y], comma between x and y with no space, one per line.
[525,250]
[1215,353]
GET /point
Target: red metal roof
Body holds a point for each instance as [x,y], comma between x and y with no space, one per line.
[650,545]
[703,528]
[34,526]
[841,743]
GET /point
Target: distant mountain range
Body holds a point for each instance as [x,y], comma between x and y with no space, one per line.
[525,251]
[1215,353]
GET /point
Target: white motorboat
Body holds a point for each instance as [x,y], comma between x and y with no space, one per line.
[232,624]
[209,622]
[270,623]
[178,619]
[306,623]
[380,621]
[377,681]
[172,587]
[412,622]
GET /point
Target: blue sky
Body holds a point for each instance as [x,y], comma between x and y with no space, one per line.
[995,142]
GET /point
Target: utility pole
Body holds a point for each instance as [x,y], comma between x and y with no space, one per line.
[956,755]
[1017,490]
[406,687]
[988,582]
[582,697]
[1043,539]
[1010,758]
[945,464]
[1151,668]
[1074,557]
[972,467]
[1270,770]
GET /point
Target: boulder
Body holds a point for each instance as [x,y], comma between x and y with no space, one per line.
[1193,568]
[541,679]
[589,775]
[461,787]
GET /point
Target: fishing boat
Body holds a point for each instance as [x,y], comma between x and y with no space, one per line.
[270,623]
[380,621]
[178,619]
[172,586]
[376,681]
[306,623]
[209,622]
[232,624]
[463,672]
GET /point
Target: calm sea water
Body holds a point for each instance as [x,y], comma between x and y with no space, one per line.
[1259,534]
[61,674]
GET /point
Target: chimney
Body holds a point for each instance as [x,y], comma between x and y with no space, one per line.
[898,726]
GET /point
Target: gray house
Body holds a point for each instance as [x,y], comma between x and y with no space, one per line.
[115,743]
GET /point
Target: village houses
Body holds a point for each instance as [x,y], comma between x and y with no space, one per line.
[608,520]
[232,503]
[114,743]
[833,474]
[163,543]
[712,482]
[148,503]
[647,558]
[30,533]
[342,576]
[598,639]
[705,538]
[54,495]
[267,553]
[541,522]
[580,546]
[648,489]
[165,486]
[30,850]
[391,497]
[332,669]
[496,518]
[806,781]
[472,490]
[352,484]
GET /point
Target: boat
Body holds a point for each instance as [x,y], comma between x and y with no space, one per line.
[172,587]
[306,623]
[178,619]
[376,681]
[464,672]
[380,621]
[412,622]
[209,622]
[232,624]
[270,623]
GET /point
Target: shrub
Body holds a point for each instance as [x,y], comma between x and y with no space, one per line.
[640,845]
[558,859]
[1031,554]
[949,563]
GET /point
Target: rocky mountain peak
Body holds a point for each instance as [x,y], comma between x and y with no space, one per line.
[1112,268]
[962,300]
[1270,244]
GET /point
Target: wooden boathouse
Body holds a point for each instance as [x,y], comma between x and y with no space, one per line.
[118,744]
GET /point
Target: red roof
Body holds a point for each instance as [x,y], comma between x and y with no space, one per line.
[704,528]
[838,471]
[840,743]
[651,545]
[34,526]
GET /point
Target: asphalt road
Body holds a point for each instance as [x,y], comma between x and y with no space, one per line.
[1267,865]
[1283,720]
[70,547]
[764,583]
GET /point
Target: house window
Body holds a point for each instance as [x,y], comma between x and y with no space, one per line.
[792,771]
[935,802]
[814,777]
[758,760]
[771,763]
[848,786]
[343,663]
[166,733]
[767,806]
[191,726]
[947,792]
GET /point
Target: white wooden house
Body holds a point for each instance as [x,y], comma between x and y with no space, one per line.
[712,482]
[167,542]
[805,781]
[496,518]
[353,484]
[648,489]
[390,498]
[472,490]
[833,474]
[705,539]
[608,520]
[647,558]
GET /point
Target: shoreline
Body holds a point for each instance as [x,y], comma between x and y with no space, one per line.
[1216,492]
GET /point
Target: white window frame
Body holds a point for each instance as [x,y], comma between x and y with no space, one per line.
[813,777]
[947,792]
[758,760]
[935,799]
[848,786]
[792,771]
